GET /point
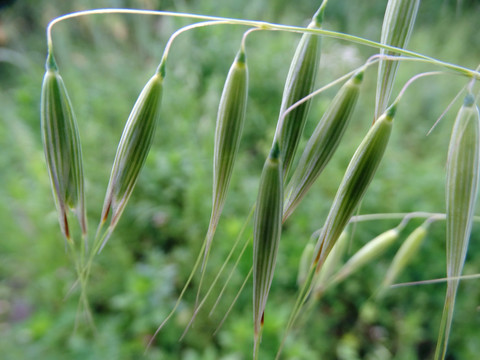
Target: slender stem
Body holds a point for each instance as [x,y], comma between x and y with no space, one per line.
[436,281]
[394,216]
[413,79]
[166,51]
[265,26]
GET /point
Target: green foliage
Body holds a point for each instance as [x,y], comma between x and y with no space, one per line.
[105,61]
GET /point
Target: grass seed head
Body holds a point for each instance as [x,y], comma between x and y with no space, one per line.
[405,253]
[228,133]
[369,252]
[300,82]
[132,150]
[266,234]
[63,154]
[396,31]
[356,180]
[461,196]
[323,143]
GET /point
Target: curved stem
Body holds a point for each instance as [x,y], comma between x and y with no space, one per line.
[166,51]
[264,26]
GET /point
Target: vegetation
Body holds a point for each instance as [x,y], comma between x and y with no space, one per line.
[134,283]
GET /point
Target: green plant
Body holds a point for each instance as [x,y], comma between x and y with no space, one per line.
[134,147]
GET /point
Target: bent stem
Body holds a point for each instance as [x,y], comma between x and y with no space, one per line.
[264,26]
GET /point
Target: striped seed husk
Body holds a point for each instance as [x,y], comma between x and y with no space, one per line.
[229,128]
[300,82]
[461,196]
[396,31]
[266,234]
[369,252]
[405,253]
[323,143]
[63,154]
[132,150]
[356,180]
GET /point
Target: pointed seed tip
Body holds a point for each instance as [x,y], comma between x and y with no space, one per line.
[358,76]
[241,56]
[391,111]
[317,19]
[51,64]
[275,152]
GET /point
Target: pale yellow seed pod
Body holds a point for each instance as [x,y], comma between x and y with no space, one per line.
[405,253]
[369,252]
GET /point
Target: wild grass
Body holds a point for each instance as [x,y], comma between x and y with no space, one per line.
[179,174]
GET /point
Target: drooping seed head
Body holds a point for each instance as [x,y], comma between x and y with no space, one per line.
[405,253]
[356,180]
[369,252]
[266,234]
[397,28]
[63,154]
[323,143]
[229,128]
[461,196]
[300,82]
[132,150]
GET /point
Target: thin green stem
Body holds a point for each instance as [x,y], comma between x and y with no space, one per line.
[265,26]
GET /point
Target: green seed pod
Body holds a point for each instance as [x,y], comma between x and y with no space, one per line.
[132,150]
[230,121]
[405,253]
[323,143]
[461,196]
[396,31]
[355,182]
[63,154]
[366,254]
[267,228]
[300,82]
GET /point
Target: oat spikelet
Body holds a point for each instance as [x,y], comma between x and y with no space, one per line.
[63,154]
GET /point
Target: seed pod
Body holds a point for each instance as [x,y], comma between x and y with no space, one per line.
[323,143]
[230,121]
[132,151]
[300,81]
[266,235]
[461,196]
[366,254]
[396,31]
[355,182]
[61,143]
[405,253]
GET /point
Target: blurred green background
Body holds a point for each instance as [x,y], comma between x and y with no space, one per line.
[105,60]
